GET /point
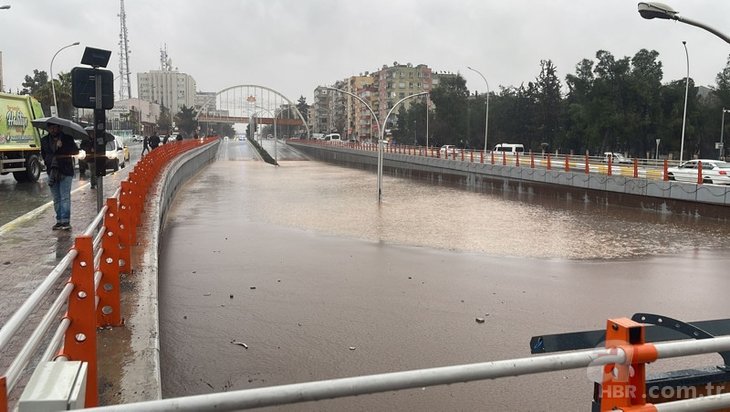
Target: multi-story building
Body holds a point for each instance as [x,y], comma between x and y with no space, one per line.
[355,85]
[321,112]
[382,90]
[2,86]
[205,98]
[168,88]
[399,81]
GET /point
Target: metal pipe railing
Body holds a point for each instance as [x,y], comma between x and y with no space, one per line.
[21,315]
[55,341]
[21,360]
[361,385]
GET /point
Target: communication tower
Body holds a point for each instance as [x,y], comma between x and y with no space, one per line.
[125,86]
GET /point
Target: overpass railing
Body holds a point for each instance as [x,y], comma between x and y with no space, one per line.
[655,169]
[91,296]
[623,386]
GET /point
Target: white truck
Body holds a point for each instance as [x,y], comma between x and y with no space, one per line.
[20,142]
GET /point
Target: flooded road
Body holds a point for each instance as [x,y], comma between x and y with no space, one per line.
[302,264]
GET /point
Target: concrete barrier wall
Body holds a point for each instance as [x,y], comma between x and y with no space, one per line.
[663,196]
[141,379]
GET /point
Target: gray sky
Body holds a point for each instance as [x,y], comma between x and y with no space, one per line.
[294,45]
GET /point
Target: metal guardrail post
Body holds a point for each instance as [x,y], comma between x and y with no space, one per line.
[610,166]
[80,339]
[3,394]
[699,173]
[624,384]
[109,309]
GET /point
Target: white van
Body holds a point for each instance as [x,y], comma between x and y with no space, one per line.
[510,148]
[332,137]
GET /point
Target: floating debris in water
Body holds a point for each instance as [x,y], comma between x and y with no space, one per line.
[352,348]
[235,342]
[480,320]
[252,287]
[206,294]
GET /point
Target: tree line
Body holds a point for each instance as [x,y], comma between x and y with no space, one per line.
[608,104]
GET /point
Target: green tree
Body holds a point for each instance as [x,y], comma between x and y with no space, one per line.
[164,122]
[548,104]
[186,121]
[450,99]
[303,107]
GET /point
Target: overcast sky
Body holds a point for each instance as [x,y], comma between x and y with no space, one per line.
[293,46]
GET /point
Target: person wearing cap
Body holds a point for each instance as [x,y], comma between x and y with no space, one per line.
[57,150]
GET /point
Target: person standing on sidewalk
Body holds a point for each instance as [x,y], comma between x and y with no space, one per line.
[154,141]
[57,150]
[145,145]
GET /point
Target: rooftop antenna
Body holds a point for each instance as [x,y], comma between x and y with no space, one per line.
[125,85]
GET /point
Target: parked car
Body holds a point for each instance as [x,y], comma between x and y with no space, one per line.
[713,171]
[616,158]
[117,156]
[510,148]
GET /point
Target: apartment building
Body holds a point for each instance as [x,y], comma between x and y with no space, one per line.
[344,114]
[169,88]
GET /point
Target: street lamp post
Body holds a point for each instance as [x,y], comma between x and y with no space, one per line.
[381,126]
[722,134]
[686,91]
[656,156]
[54,108]
[486,116]
[382,138]
[651,10]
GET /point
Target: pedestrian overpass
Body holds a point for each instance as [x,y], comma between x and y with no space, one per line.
[252,104]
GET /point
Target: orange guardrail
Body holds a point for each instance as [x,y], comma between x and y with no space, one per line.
[93,289]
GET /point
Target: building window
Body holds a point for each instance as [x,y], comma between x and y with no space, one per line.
[402,85]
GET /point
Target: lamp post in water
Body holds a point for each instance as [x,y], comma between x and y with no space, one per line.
[54,108]
[722,134]
[686,92]
[486,116]
[381,127]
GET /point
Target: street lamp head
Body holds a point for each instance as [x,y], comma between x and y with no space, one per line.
[5,7]
[651,10]
[75,43]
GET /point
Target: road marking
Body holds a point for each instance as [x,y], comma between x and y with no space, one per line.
[32,214]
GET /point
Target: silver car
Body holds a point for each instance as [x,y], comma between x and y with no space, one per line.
[713,171]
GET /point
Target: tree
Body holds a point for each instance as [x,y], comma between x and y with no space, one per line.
[186,121]
[32,84]
[548,102]
[303,107]
[164,122]
[450,99]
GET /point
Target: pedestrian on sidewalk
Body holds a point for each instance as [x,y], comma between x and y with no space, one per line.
[145,145]
[154,141]
[57,149]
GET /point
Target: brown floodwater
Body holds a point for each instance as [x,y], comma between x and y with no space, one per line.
[302,264]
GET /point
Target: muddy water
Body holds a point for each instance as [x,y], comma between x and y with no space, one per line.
[301,264]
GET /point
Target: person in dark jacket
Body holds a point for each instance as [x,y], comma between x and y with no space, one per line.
[154,141]
[145,145]
[57,150]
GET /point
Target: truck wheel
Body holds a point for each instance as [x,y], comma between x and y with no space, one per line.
[32,171]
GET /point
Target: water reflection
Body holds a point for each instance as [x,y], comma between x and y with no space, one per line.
[341,201]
